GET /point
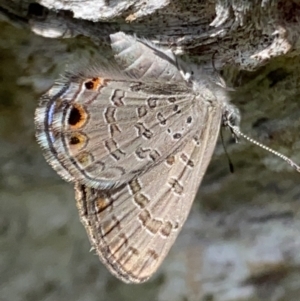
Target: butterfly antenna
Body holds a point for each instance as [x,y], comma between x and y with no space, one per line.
[231,168]
[237,133]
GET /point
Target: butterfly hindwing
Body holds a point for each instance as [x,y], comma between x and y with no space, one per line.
[133,226]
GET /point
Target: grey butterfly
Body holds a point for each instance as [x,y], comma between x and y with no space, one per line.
[136,137]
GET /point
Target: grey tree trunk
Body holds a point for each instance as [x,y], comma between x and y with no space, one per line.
[242,238]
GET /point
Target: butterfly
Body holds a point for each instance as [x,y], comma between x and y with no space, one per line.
[135,136]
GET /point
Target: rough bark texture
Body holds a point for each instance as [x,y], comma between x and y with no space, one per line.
[242,239]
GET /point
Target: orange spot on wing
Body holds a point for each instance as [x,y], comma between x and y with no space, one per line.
[95,83]
[78,117]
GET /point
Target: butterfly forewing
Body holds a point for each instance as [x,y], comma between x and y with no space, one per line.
[100,127]
[133,227]
[106,137]
[145,61]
